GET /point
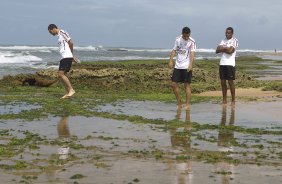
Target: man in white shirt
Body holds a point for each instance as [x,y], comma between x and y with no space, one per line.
[227,64]
[184,49]
[66,51]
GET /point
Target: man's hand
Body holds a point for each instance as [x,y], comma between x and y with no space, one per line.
[75,59]
[170,64]
[220,49]
[190,68]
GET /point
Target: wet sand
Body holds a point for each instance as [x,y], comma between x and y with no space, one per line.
[246,92]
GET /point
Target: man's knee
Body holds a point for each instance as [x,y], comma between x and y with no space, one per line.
[174,85]
[61,74]
[230,82]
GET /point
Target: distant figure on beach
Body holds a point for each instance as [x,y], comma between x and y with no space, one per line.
[227,64]
[184,50]
[66,51]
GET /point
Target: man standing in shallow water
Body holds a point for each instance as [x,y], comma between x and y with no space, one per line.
[227,64]
[184,49]
[66,51]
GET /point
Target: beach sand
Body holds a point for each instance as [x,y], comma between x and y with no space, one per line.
[244,92]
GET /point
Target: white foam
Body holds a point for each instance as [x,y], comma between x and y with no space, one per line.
[10,57]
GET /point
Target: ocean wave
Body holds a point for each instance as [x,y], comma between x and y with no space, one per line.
[27,48]
[89,48]
[121,58]
[9,58]
[102,48]
[255,51]
[147,50]
[206,50]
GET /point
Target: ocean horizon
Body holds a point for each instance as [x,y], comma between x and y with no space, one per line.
[16,59]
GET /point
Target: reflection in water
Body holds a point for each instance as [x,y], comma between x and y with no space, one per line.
[187,115]
[181,142]
[64,133]
[63,151]
[225,136]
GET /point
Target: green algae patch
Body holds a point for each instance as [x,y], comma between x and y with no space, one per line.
[105,82]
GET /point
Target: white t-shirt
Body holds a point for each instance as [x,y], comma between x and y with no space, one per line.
[64,47]
[183,49]
[229,59]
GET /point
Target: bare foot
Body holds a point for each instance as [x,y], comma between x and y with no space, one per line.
[179,106]
[65,96]
[224,103]
[72,92]
[232,104]
[186,106]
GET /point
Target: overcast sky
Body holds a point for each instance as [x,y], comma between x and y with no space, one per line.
[142,23]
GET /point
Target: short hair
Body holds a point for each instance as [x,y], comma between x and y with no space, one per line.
[52,26]
[230,28]
[186,30]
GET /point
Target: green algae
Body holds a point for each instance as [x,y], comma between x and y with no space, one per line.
[88,97]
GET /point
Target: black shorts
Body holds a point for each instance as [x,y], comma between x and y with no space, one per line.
[181,75]
[227,72]
[65,64]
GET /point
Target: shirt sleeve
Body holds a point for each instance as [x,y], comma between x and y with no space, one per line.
[222,42]
[193,47]
[235,43]
[175,45]
[66,36]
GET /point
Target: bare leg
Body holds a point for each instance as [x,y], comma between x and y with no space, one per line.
[66,82]
[224,92]
[175,88]
[178,113]
[232,90]
[188,95]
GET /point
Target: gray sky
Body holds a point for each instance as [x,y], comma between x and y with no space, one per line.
[142,23]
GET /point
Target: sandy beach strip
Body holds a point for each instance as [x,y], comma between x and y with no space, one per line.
[243,92]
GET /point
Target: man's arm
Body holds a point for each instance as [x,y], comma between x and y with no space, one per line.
[172,54]
[71,48]
[71,45]
[192,57]
[227,50]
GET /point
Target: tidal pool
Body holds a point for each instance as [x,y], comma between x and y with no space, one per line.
[16,107]
[99,150]
[265,115]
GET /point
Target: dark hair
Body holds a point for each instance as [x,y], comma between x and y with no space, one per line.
[230,28]
[186,30]
[52,26]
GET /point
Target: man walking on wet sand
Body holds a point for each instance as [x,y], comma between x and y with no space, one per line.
[66,51]
[227,64]
[184,50]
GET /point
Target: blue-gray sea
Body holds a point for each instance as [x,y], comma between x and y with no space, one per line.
[15,59]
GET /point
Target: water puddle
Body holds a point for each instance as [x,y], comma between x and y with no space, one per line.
[274,71]
[98,150]
[265,115]
[16,107]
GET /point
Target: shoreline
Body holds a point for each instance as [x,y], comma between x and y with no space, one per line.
[123,120]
